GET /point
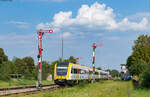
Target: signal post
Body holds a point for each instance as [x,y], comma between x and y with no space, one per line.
[93,63]
[40,34]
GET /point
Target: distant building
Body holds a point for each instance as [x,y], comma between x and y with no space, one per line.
[124,71]
[49,78]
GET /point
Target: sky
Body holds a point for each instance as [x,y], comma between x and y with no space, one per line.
[113,23]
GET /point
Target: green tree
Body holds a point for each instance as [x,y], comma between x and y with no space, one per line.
[21,66]
[99,68]
[145,77]
[45,70]
[108,70]
[114,73]
[140,55]
[4,66]
[35,72]
[71,59]
[138,67]
[3,57]
[5,70]
[30,63]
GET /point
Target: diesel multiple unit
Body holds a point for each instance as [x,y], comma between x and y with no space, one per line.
[68,74]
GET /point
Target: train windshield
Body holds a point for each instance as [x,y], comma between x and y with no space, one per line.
[62,68]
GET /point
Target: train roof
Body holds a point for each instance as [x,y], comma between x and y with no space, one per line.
[85,67]
[82,66]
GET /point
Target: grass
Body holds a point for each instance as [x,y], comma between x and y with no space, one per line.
[98,89]
[12,83]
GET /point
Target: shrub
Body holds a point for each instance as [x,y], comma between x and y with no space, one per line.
[145,78]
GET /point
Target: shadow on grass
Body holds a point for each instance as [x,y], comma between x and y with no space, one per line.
[82,84]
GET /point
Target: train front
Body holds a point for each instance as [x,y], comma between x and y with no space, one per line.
[61,73]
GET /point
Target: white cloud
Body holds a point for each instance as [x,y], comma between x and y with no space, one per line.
[66,34]
[94,17]
[19,24]
[62,19]
[125,24]
[43,26]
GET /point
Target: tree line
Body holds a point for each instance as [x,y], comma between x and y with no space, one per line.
[26,67]
[28,70]
[114,73]
[138,63]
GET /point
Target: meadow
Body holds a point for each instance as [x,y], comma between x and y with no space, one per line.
[98,89]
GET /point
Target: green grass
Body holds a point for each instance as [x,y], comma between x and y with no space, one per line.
[12,83]
[98,89]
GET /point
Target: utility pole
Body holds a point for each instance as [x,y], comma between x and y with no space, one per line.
[62,55]
[40,34]
[94,47]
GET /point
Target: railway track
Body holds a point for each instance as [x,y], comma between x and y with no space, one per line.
[25,89]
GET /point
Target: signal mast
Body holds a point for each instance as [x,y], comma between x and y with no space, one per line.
[77,59]
[94,47]
[40,34]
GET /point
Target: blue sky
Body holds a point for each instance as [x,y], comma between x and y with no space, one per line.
[114,23]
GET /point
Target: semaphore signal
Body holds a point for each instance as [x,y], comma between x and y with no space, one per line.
[40,34]
[94,47]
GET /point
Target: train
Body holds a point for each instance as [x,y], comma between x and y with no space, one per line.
[66,73]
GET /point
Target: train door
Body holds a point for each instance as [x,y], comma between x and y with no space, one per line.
[90,75]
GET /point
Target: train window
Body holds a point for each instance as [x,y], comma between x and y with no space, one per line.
[72,70]
[90,72]
[62,71]
[82,71]
[62,64]
[75,71]
[96,73]
[85,71]
[62,68]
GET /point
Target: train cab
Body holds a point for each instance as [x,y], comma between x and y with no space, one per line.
[61,72]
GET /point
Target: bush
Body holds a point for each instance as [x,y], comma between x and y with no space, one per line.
[145,78]
[5,70]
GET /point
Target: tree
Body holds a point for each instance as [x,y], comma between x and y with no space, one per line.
[30,63]
[99,68]
[138,67]
[108,70]
[140,55]
[71,59]
[4,66]
[145,78]
[45,70]
[21,66]
[114,73]
[3,57]
[5,70]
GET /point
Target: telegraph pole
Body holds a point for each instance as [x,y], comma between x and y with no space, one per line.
[94,47]
[40,34]
[62,55]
